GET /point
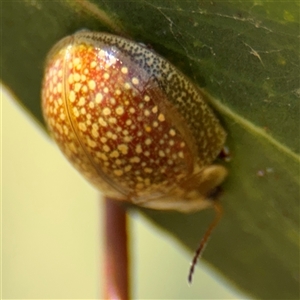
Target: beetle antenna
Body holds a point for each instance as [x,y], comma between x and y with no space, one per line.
[219,212]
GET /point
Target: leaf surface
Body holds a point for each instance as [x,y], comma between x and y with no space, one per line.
[245,55]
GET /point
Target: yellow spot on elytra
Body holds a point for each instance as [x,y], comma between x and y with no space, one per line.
[114,154]
[77,87]
[92,84]
[161,153]
[118,162]
[124,70]
[76,61]
[138,149]
[109,134]
[148,141]
[75,111]
[155,109]
[82,126]
[55,90]
[59,87]
[81,101]
[147,128]
[146,98]
[106,111]
[180,154]
[66,130]
[118,172]
[106,148]
[112,120]
[72,147]
[102,122]
[95,133]
[135,81]
[102,156]
[127,139]
[76,77]
[106,76]
[91,143]
[127,86]
[83,111]
[146,112]
[128,168]
[148,170]
[132,110]
[123,148]
[93,64]
[51,86]
[172,132]
[135,159]
[103,139]
[120,110]
[72,96]
[161,117]
[99,97]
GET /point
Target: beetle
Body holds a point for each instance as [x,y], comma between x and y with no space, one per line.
[132,124]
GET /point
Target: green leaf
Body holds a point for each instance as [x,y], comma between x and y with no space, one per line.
[246,57]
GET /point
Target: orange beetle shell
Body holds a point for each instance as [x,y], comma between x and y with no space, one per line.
[131,123]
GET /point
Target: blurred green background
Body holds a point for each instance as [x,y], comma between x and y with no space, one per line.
[52,230]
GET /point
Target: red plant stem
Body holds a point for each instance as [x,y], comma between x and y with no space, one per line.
[116,283]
